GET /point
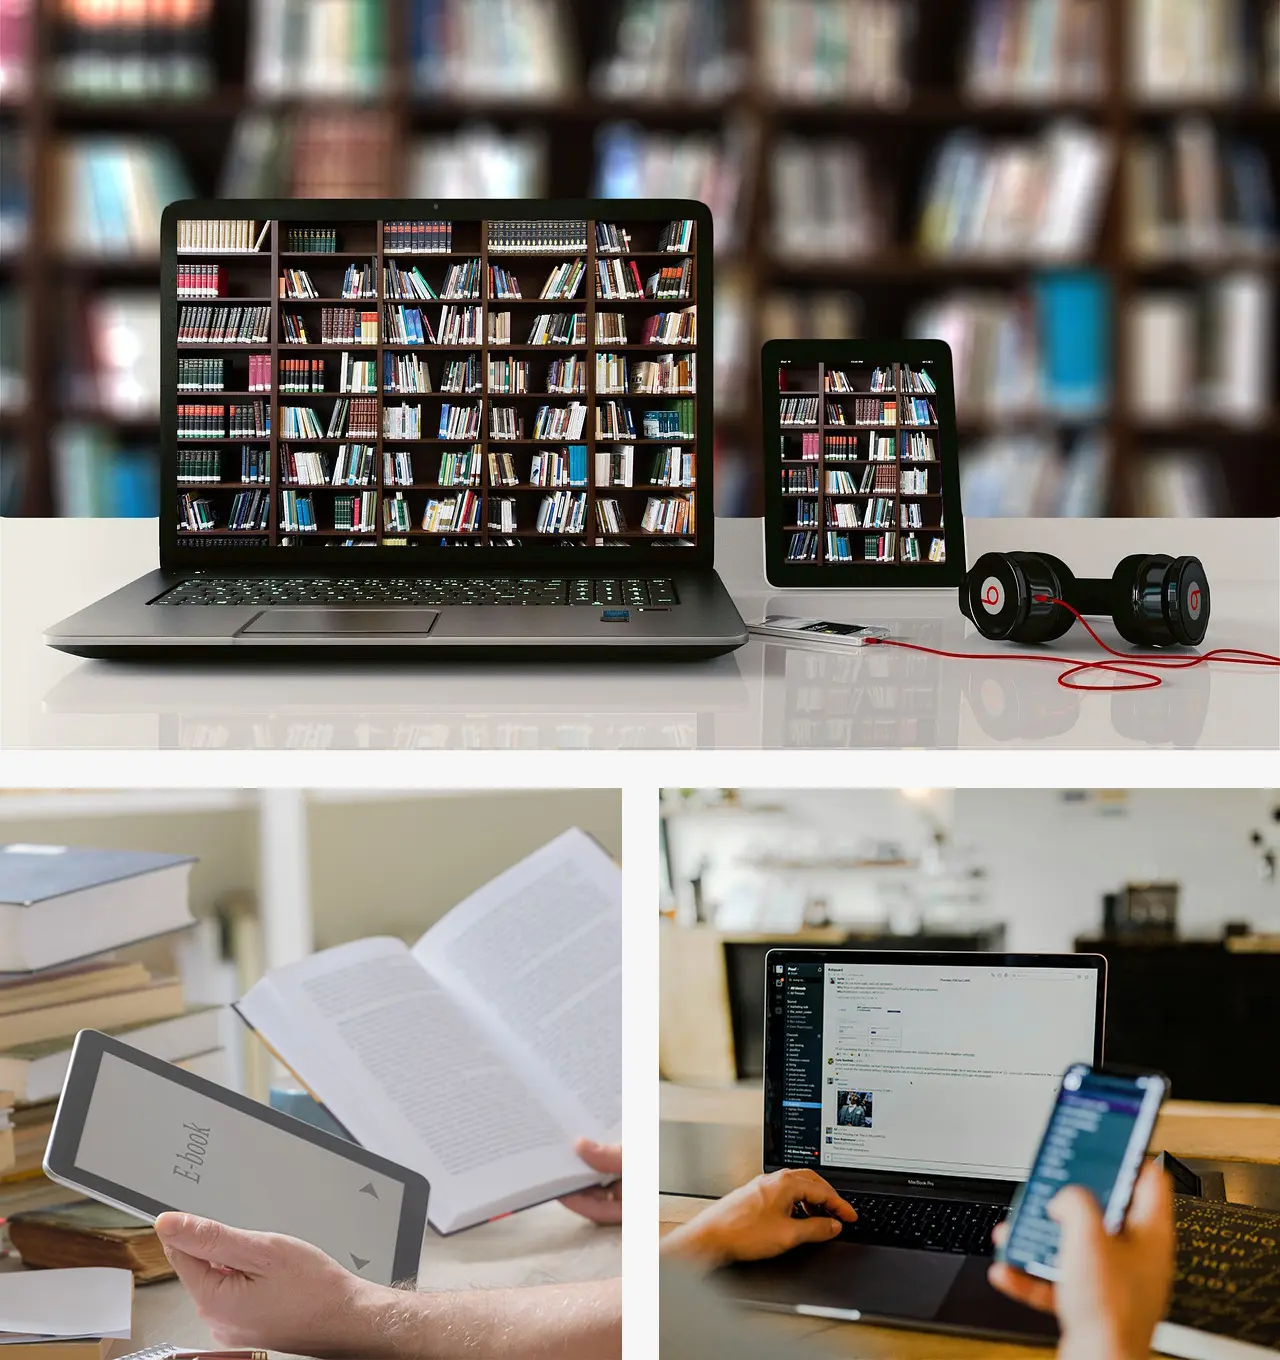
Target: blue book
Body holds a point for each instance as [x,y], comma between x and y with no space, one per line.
[59,902]
[135,488]
[1075,326]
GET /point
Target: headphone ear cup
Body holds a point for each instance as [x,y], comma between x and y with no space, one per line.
[1137,587]
[1048,578]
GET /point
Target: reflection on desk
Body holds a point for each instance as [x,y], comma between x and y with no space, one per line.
[767,694]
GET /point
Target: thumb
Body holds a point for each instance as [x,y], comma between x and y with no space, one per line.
[816,1229]
[206,1240]
[605,1158]
[1076,1212]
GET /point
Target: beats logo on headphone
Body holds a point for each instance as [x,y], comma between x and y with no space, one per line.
[1153,600]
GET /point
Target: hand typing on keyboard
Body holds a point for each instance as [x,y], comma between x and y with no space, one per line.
[759,1220]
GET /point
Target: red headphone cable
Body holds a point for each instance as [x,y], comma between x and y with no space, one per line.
[1075,666]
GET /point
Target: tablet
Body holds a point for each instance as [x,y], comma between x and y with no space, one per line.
[862,482]
[139,1133]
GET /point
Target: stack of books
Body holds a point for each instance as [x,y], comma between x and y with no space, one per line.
[1037,49]
[297,47]
[66,915]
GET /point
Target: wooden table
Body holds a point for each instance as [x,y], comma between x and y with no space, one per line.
[1232,1133]
[543,1245]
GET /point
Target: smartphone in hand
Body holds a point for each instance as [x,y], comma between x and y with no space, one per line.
[1097,1135]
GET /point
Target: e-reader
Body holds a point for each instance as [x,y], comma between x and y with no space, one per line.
[141,1134]
[862,475]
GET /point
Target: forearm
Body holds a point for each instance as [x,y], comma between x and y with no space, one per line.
[547,1322]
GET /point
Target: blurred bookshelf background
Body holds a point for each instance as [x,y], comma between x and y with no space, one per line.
[1078,194]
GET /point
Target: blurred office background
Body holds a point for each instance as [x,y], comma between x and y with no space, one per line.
[1179,889]
[1077,194]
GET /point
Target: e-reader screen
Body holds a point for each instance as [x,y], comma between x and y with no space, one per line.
[862,485]
[161,1143]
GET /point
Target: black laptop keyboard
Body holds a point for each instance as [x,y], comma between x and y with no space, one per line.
[609,591]
[926,1224]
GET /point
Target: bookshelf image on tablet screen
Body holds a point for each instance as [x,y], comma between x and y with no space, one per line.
[384,381]
[862,483]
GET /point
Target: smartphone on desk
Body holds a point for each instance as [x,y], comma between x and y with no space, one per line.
[1097,1135]
[816,630]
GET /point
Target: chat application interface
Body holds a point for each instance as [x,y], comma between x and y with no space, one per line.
[194,1154]
[1087,1143]
[924,1067]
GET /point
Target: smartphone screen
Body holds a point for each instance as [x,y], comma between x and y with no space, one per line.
[1096,1137]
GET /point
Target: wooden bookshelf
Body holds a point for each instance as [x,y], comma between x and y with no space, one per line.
[890,285]
[355,243]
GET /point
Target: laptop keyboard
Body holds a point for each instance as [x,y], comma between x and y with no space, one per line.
[925,1224]
[611,591]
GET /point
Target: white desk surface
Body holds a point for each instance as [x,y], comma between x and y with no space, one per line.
[765,695]
[543,1245]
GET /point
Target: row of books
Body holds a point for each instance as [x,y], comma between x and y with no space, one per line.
[406,373]
[564,281]
[873,548]
[1042,197]
[871,479]
[456,422]
[798,411]
[208,375]
[311,240]
[829,51]
[1036,50]
[195,514]
[406,283]
[1043,348]
[505,422]
[205,465]
[224,325]
[308,375]
[218,422]
[355,416]
[565,512]
[668,515]
[550,467]
[910,548]
[201,280]
[560,422]
[212,236]
[460,469]
[827,202]
[609,517]
[875,513]
[1208,352]
[417,238]
[299,48]
[250,510]
[161,51]
[456,514]
[1193,194]
[359,513]
[538,238]
[459,375]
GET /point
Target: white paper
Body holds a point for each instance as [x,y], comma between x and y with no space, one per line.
[60,1304]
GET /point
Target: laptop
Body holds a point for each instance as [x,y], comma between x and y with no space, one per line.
[918,1084]
[430,428]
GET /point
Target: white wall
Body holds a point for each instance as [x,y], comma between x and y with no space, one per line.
[1051,862]
[1047,861]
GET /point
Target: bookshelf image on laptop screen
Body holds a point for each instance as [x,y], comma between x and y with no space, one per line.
[395,382]
[863,474]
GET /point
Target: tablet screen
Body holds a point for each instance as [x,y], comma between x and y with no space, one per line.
[861,480]
[185,1150]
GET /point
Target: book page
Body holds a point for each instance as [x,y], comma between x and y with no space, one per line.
[539,952]
[404,1067]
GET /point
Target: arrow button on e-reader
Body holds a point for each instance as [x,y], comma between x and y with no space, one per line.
[359,1261]
[368,1190]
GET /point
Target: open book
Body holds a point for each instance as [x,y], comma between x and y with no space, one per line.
[478,1056]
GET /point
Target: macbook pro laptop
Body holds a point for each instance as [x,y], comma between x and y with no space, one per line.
[917,1084]
[433,427]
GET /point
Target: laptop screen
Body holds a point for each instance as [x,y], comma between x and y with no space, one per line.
[516,379]
[921,1066]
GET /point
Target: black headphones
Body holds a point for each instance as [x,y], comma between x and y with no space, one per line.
[1153,600]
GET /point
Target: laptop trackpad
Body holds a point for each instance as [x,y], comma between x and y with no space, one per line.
[889,1281]
[339,623]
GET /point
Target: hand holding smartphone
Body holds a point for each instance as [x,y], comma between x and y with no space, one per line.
[1097,1133]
